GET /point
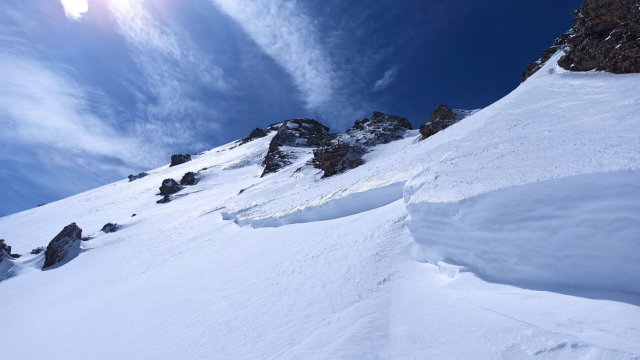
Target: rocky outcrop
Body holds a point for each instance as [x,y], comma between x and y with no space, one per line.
[136,177]
[343,152]
[339,157]
[179,159]
[109,228]
[379,129]
[7,249]
[63,246]
[188,179]
[292,133]
[604,37]
[441,118]
[255,134]
[169,186]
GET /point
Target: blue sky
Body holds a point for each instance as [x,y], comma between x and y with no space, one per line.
[91,91]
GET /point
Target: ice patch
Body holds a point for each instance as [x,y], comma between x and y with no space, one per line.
[448,270]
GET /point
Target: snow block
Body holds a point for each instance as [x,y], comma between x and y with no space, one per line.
[64,246]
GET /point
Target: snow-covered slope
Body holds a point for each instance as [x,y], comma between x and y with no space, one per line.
[539,190]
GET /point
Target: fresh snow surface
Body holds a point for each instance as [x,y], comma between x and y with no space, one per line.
[529,208]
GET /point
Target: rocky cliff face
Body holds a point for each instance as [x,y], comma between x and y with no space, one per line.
[441,118]
[342,152]
[605,37]
[292,133]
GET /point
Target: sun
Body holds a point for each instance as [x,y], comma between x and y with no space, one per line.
[75,8]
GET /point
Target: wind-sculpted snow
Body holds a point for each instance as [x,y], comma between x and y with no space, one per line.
[580,231]
[537,188]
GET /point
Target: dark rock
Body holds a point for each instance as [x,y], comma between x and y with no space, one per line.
[188,179]
[534,67]
[255,134]
[379,129]
[292,133]
[109,228]
[87,238]
[164,200]
[134,215]
[38,250]
[6,248]
[604,37]
[336,158]
[179,159]
[42,204]
[136,177]
[169,186]
[343,152]
[441,118]
[65,244]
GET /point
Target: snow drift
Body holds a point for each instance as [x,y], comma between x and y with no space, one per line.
[541,187]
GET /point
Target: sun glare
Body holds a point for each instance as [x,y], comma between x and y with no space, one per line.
[75,8]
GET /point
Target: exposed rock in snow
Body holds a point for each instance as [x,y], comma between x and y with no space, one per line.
[605,37]
[179,159]
[188,179]
[136,177]
[64,246]
[345,151]
[6,248]
[255,134]
[169,186]
[441,118]
[379,129]
[38,250]
[109,228]
[297,133]
[164,200]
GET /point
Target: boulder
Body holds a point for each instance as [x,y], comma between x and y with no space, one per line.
[441,118]
[109,228]
[255,134]
[292,133]
[64,246]
[179,159]
[188,179]
[169,186]
[164,200]
[136,177]
[38,250]
[7,249]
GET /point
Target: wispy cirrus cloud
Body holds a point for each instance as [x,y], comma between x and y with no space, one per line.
[388,78]
[283,30]
[174,69]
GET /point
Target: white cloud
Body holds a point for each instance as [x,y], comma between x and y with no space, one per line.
[172,66]
[40,107]
[75,8]
[288,36]
[388,78]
